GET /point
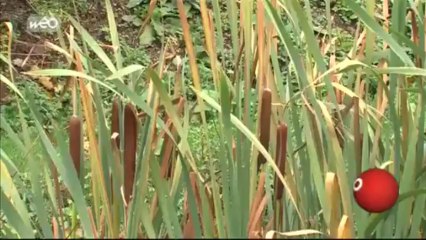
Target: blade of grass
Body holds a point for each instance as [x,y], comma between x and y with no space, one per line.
[11,85]
[231,194]
[93,45]
[299,233]
[15,138]
[344,230]
[13,206]
[341,171]
[219,29]
[192,58]
[96,163]
[15,220]
[38,200]
[166,206]
[407,181]
[114,34]
[332,189]
[375,219]
[210,42]
[69,73]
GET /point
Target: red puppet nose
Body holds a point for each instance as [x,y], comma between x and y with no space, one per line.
[376,190]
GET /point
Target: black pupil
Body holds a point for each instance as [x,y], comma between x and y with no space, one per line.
[357,184]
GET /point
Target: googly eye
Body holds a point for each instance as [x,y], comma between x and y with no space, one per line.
[357,184]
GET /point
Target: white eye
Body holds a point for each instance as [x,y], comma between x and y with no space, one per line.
[357,184]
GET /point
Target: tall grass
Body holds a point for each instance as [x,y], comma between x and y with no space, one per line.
[285,170]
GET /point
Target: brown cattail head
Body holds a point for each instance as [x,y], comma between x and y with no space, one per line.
[115,120]
[130,142]
[265,123]
[74,129]
[280,158]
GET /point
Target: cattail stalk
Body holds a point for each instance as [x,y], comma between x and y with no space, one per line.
[130,140]
[74,128]
[280,158]
[265,123]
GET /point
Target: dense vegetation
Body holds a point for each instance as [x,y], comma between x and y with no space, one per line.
[211,118]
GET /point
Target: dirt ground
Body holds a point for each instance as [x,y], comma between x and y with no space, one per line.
[27,43]
[28,49]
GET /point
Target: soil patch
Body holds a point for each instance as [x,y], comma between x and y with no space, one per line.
[28,48]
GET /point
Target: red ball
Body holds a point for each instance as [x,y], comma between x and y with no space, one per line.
[376,190]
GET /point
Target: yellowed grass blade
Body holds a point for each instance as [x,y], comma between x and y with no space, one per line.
[151,9]
[191,53]
[344,230]
[210,41]
[97,173]
[333,202]
[271,234]
[339,163]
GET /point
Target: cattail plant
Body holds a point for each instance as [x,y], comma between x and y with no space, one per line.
[280,158]
[74,129]
[130,141]
[265,123]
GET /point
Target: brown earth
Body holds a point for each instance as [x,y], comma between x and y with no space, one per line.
[28,49]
